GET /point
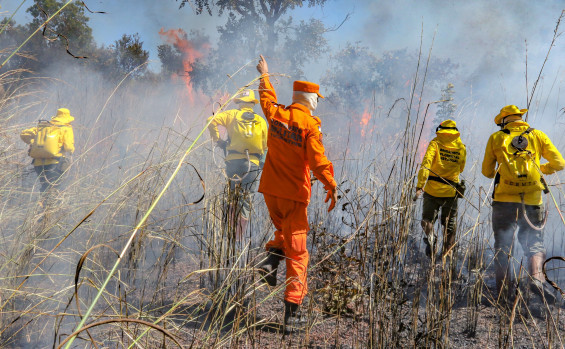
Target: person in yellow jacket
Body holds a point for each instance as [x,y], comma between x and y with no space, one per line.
[517,198]
[438,177]
[245,152]
[50,142]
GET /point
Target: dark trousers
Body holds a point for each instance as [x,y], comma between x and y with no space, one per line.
[506,217]
[49,176]
[244,188]
[432,208]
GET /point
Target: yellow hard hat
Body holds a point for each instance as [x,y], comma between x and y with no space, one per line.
[247,96]
[447,126]
[507,111]
[63,112]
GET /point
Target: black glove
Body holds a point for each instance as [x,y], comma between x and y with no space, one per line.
[222,144]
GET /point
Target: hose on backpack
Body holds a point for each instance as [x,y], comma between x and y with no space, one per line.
[544,221]
[236,178]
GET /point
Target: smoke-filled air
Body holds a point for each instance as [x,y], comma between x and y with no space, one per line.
[282,174]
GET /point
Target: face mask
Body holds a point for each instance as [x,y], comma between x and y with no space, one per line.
[307,99]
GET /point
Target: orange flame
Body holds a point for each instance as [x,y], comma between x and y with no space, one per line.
[179,39]
[365,118]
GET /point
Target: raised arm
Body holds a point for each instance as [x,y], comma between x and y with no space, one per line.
[268,96]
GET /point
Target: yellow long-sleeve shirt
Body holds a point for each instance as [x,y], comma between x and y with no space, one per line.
[237,146]
[541,146]
[445,157]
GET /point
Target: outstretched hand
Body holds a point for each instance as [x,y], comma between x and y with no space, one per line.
[262,66]
[332,194]
[418,194]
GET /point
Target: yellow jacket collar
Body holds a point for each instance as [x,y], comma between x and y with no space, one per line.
[516,125]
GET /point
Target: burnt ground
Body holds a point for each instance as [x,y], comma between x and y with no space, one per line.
[203,317]
[356,327]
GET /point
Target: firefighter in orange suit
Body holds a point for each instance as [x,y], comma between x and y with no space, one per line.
[295,148]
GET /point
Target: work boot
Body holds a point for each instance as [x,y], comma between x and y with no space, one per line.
[294,321]
[538,284]
[429,247]
[268,267]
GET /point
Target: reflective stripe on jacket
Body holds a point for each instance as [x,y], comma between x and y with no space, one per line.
[542,146]
[445,157]
[295,148]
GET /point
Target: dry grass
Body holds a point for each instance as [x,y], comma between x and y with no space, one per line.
[185,273]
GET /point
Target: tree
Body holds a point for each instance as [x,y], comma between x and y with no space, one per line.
[356,74]
[446,108]
[257,27]
[129,54]
[70,25]
[170,57]
[10,38]
[266,12]
[352,76]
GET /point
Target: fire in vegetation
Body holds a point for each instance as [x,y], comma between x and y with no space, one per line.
[179,39]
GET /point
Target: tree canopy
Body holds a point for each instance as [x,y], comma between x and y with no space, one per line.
[257,27]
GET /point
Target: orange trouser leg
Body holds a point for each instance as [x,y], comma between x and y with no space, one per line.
[276,218]
[291,221]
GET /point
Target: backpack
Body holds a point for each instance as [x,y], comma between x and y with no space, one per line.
[518,171]
[46,144]
[245,133]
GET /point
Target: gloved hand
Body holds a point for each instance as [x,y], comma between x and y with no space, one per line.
[222,144]
[332,194]
[418,193]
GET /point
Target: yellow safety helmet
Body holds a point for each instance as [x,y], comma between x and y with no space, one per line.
[507,111]
[247,96]
[447,126]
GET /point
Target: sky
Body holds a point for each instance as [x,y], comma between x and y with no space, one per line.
[488,40]
[147,17]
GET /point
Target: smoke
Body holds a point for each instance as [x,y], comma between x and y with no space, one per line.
[142,125]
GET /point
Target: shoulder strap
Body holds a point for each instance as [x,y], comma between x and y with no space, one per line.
[442,180]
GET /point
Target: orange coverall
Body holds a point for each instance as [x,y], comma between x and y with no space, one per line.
[295,147]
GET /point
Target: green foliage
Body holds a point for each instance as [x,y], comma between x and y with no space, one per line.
[12,36]
[72,22]
[245,7]
[253,28]
[129,53]
[170,57]
[352,75]
[356,73]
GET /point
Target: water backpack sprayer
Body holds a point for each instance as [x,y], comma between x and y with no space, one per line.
[520,143]
[243,131]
